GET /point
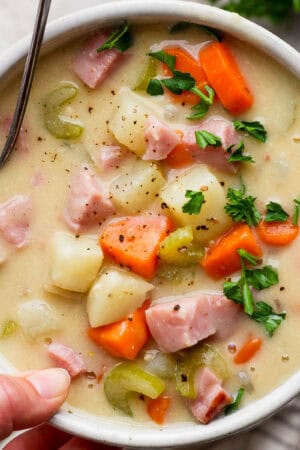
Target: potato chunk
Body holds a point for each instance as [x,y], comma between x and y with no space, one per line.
[115,294]
[128,122]
[134,190]
[36,317]
[75,262]
[212,220]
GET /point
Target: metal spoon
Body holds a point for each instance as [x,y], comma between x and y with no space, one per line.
[27,78]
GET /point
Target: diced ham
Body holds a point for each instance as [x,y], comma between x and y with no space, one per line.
[109,157]
[65,358]
[211,396]
[15,215]
[213,156]
[181,323]
[88,202]
[92,67]
[160,139]
[22,141]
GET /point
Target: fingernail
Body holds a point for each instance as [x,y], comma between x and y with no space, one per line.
[50,383]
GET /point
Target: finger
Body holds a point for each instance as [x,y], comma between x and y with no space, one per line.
[27,402]
[43,437]
[81,444]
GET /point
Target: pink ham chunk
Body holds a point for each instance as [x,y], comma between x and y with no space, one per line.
[15,216]
[160,139]
[92,67]
[213,156]
[211,396]
[109,157]
[181,323]
[88,202]
[22,141]
[65,358]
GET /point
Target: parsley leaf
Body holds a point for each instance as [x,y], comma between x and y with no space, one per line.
[194,205]
[235,404]
[262,278]
[209,99]
[205,138]
[252,259]
[120,39]
[238,154]
[296,211]
[169,60]
[241,208]
[181,81]
[275,213]
[255,129]
[201,109]
[155,87]
[232,290]
[265,315]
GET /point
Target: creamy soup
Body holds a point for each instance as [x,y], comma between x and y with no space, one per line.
[123,223]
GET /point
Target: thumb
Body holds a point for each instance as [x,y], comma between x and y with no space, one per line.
[27,401]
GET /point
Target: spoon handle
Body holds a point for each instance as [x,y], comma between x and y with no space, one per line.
[27,78]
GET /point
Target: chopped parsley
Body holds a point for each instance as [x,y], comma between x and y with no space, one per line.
[205,138]
[275,213]
[237,155]
[162,56]
[121,39]
[240,292]
[241,208]
[236,402]
[201,109]
[180,82]
[255,129]
[194,205]
[296,211]
[154,87]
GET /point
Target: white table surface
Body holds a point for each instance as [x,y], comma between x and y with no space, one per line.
[283,431]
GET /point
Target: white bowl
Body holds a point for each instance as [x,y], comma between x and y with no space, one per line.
[126,432]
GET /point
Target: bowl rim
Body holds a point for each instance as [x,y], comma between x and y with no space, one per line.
[117,431]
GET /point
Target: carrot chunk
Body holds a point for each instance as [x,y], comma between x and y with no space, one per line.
[247,351]
[180,156]
[277,233]
[123,339]
[225,77]
[134,241]
[222,258]
[157,408]
[186,63]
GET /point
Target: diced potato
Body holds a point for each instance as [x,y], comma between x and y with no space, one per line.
[36,317]
[128,122]
[178,248]
[64,293]
[75,262]
[212,219]
[115,294]
[134,190]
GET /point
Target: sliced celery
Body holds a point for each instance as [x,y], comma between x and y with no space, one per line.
[60,126]
[148,73]
[8,328]
[189,361]
[178,248]
[128,377]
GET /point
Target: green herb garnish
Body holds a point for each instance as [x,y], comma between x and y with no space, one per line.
[241,208]
[275,213]
[194,205]
[180,82]
[205,138]
[296,211]
[237,155]
[255,129]
[167,59]
[236,402]
[262,278]
[265,315]
[201,109]
[121,39]
[154,87]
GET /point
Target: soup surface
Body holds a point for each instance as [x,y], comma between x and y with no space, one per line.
[137,156]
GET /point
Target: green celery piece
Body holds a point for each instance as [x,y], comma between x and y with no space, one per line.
[60,126]
[128,377]
[8,328]
[148,73]
[178,248]
[189,361]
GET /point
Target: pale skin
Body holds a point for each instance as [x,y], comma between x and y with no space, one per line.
[30,399]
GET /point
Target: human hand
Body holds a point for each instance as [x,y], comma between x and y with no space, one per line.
[31,399]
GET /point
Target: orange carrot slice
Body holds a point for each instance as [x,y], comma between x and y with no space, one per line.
[248,351]
[225,77]
[277,233]
[158,407]
[222,258]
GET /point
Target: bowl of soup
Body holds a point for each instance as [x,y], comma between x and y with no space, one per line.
[149,222]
